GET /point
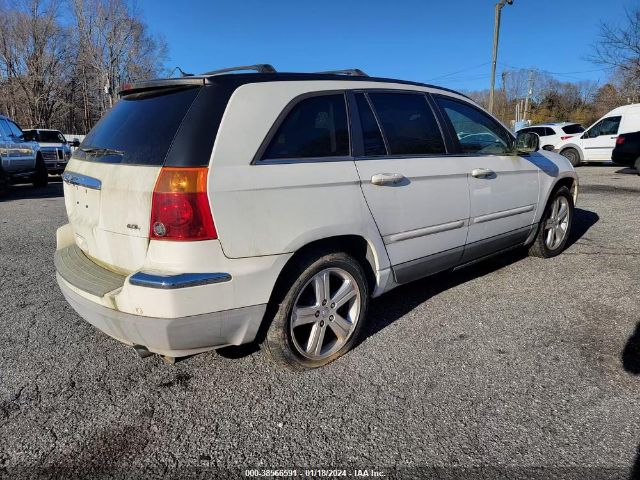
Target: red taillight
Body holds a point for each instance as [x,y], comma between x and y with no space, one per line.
[180,206]
[566,137]
[620,140]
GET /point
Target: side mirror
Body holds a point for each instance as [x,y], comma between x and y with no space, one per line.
[75,143]
[527,142]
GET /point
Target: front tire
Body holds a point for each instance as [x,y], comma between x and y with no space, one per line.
[4,184]
[41,177]
[555,225]
[321,313]
[572,155]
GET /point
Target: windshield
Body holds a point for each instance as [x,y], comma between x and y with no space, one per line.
[138,130]
[51,136]
[570,129]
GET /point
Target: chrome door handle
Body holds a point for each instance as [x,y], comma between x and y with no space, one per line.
[482,172]
[387,178]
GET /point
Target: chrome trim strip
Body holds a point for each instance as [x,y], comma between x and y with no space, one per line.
[181,280]
[73,178]
[503,214]
[420,232]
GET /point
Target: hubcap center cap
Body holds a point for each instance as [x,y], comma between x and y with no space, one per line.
[324,312]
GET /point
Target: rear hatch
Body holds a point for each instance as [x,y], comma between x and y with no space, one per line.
[110,179]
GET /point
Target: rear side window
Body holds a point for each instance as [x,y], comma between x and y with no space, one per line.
[408,123]
[141,128]
[572,129]
[477,132]
[371,136]
[315,127]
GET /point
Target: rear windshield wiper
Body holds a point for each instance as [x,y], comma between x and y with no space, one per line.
[101,151]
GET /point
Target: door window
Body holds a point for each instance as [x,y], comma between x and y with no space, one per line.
[409,125]
[477,132]
[15,130]
[315,127]
[606,126]
[371,135]
[5,131]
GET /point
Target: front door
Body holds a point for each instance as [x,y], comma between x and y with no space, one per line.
[418,197]
[599,141]
[503,187]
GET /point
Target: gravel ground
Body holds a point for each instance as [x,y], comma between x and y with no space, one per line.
[515,368]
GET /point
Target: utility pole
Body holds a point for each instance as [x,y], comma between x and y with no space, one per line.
[496,36]
[527,102]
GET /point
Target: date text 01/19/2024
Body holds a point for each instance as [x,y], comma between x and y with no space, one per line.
[315,473]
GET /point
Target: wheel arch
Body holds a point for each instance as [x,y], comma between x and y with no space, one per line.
[567,181]
[575,147]
[355,245]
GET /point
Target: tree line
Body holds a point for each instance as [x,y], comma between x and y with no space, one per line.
[62,61]
[616,51]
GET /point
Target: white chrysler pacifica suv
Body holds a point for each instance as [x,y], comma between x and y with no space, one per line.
[227,208]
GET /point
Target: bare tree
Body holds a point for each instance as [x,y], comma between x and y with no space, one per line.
[61,61]
[33,57]
[619,48]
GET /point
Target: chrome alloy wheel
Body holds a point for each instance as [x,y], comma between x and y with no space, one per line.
[557,225]
[325,314]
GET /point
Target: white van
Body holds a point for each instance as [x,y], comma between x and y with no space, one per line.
[596,144]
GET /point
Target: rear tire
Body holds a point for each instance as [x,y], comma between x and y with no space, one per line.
[555,225]
[41,177]
[320,311]
[572,155]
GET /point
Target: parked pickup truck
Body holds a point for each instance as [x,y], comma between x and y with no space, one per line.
[20,159]
[55,149]
[627,151]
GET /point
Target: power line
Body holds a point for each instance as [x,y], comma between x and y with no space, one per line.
[459,71]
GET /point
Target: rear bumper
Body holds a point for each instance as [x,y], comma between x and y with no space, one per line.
[174,337]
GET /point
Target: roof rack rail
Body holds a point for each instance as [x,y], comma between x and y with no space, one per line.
[352,72]
[260,68]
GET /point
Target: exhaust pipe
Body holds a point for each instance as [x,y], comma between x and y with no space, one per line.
[142,351]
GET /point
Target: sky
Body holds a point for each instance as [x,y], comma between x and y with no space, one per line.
[445,42]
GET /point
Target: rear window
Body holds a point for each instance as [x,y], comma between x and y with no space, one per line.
[573,129]
[139,129]
[316,127]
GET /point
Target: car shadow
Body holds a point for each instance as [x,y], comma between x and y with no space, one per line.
[20,192]
[395,304]
[583,220]
[630,358]
[628,171]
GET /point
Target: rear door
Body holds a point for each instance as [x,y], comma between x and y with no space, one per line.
[109,182]
[503,187]
[418,196]
[599,141]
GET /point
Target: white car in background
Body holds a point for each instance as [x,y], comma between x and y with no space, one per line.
[596,144]
[552,134]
